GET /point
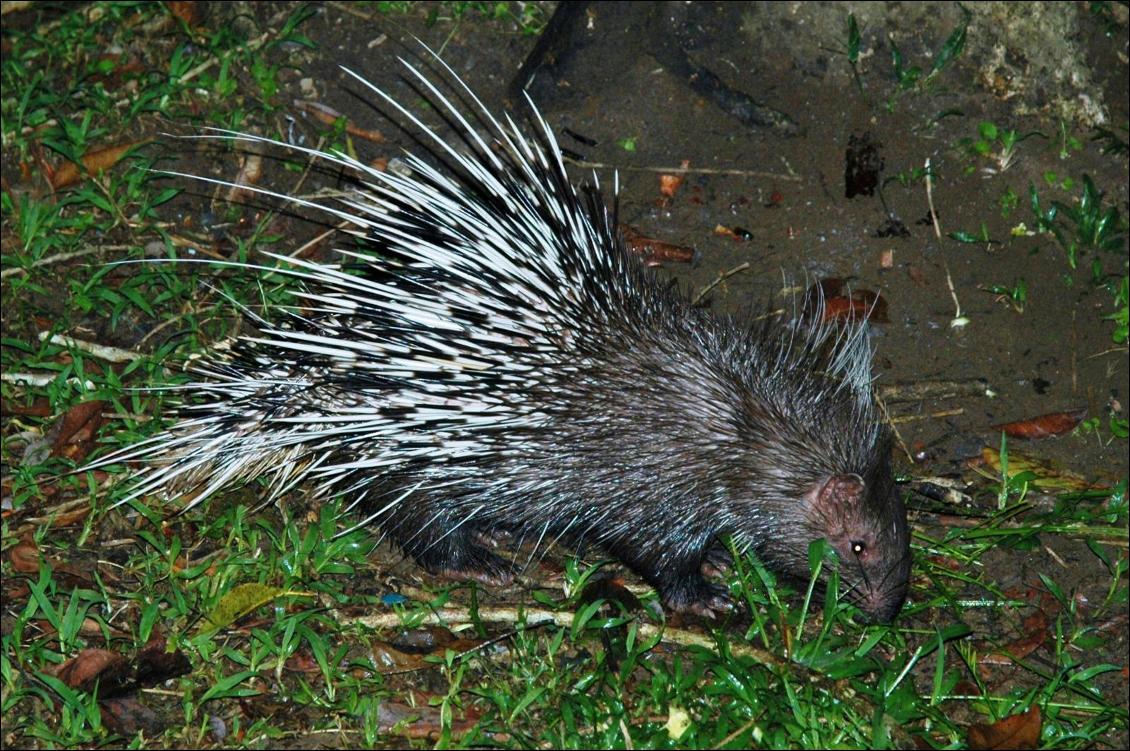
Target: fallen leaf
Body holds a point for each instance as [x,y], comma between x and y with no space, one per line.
[126,716]
[669,184]
[73,434]
[240,601]
[1044,426]
[92,163]
[90,666]
[190,13]
[1045,477]
[156,664]
[835,301]
[24,557]
[1018,731]
[740,234]
[655,252]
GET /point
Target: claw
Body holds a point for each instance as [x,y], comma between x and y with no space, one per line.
[704,599]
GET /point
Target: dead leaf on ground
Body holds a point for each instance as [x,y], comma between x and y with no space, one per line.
[419,722]
[1018,731]
[126,716]
[655,252]
[92,162]
[1045,477]
[1044,426]
[669,184]
[74,432]
[25,557]
[156,664]
[190,13]
[94,666]
[834,300]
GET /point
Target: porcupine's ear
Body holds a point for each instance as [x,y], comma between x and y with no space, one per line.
[837,500]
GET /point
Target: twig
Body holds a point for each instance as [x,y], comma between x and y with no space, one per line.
[537,617]
[930,201]
[685,170]
[59,258]
[253,45]
[101,351]
[959,320]
[936,389]
[721,278]
[931,416]
[41,379]
[301,250]
[1074,354]
[898,436]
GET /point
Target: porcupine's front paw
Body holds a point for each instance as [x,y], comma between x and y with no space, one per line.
[698,596]
[716,562]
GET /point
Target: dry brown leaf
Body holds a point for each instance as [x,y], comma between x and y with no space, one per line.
[92,666]
[1044,426]
[75,431]
[669,184]
[191,13]
[1018,731]
[156,664]
[655,252]
[842,303]
[93,162]
[24,557]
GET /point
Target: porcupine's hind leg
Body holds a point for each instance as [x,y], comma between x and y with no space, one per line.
[445,545]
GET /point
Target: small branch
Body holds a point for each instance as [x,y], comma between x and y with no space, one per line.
[101,351]
[686,170]
[721,278]
[930,200]
[945,389]
[536,617]
[959,321]
[49,260]
[932,416]
[41,379]
[895,430]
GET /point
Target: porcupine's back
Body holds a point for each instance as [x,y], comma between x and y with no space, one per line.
[500,362]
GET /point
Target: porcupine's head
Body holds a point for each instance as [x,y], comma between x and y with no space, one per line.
[814,462]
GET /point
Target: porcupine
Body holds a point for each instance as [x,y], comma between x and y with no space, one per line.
[494,360]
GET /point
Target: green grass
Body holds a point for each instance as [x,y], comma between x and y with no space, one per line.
[316,648]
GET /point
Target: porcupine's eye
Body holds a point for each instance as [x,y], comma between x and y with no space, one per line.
[859,547]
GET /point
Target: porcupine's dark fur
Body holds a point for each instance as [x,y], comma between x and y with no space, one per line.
[502,363]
